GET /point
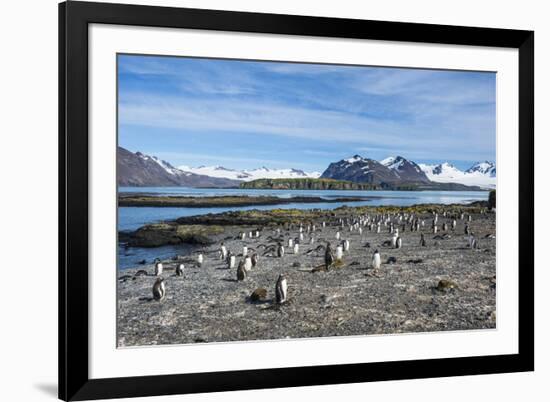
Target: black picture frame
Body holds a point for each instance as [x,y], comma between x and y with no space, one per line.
[74,18]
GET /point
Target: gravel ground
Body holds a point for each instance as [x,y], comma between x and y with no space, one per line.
[208,304]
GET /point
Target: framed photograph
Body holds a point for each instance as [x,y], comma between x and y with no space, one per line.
[258,201]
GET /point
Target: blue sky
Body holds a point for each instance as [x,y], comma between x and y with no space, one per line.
[244,114]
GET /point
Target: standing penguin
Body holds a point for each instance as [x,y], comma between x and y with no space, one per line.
[254,259]
[158,267]
[345,245]
[223,252]
[159,290]
[453,224]
[466,229]
[200,260]
[281,289]
[337,235]
[398,243]
[290,243]
[230,261]
[280,250]
[247,263]
[376,261]
[179,269]
[339,252]
[296,248]
[329,257]
[241,271]
[245,251]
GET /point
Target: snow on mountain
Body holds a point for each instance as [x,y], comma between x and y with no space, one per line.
[407,170]
[249,175]
[486,168]
[480,174]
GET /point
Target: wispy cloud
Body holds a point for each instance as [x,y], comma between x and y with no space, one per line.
[329,110]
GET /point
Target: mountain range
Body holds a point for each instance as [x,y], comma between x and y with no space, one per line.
[138,169]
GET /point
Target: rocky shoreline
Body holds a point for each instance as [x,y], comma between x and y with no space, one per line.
[446,285]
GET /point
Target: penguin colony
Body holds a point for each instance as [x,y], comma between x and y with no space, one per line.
[313,240]
[375,255]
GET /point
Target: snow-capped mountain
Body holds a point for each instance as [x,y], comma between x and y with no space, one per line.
[249,175]
[138,170]
[361,170]
[481,174]
[407,170]
[486,168]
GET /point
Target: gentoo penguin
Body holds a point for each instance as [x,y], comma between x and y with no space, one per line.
[254,259]
[247,263]
[398,243]
[281,289]
[241,271]
[376,261]
[158,267]
[245,251]
[231,261]
[179,269]
[200,259]
[223,251]
[329,257]
[339,252]
[394,240]
[296,248]
[345,244]
[280,250]
[159,291]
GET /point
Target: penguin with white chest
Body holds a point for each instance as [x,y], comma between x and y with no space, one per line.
[159,289]
[281,288]
[280,250]
[179,269]
[376,260]
[158,267]
[223,252]
[247,263]
[241,271]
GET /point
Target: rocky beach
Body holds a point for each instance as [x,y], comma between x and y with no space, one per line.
[447,284]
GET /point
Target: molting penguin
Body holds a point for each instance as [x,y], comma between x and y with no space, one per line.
[159,290]
[281,289]
[241,271]
[376,261]
[158,267]
[179,269]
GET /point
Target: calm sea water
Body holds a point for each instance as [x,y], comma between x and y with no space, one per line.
[131,218]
